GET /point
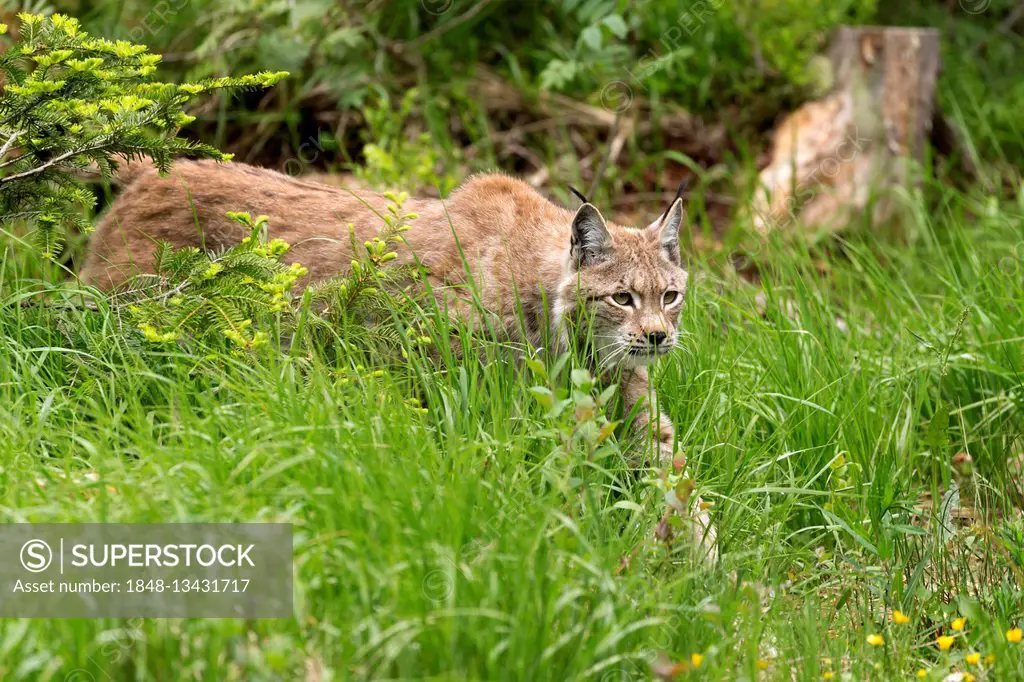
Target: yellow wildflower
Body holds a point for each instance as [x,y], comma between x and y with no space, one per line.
[827,675]
[990,659]
[1014,635]
[967,678]
[922,673]
[761,664]
[900,618]
[876,640]
[944,642]
[696,660]
[973,658]
[959,624]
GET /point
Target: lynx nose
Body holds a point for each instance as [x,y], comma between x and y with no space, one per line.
[656,338]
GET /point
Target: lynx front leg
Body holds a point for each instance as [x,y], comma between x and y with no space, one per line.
[657,443]
[649,423]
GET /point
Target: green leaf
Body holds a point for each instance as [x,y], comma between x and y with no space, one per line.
[947,524]
[557,74]
[543,396]
[592,37]
[607,393]
[537,367]
[581,379]
[616,25]
[937,438]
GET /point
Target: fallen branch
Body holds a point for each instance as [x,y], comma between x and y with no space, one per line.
[691,134]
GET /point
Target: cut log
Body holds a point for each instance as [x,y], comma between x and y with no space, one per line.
[832,156]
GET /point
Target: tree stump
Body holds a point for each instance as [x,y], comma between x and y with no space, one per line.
[832,156]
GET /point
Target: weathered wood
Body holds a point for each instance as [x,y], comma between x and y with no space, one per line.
[832,156]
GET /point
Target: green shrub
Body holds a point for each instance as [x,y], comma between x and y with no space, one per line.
[739,62]
[199,296]
[698,55]
[239,297]
[73,102]
[392,159]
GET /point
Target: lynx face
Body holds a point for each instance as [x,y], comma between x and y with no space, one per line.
[630,285]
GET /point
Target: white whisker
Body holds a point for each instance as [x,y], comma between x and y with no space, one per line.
[607,360]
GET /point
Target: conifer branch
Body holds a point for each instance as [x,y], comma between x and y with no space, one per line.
[71,102]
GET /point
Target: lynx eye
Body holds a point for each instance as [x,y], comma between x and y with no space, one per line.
[623,298]
[669,297]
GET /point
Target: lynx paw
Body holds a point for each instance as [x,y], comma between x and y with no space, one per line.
[665,455]
[705,538]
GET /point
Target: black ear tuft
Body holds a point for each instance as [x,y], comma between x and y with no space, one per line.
[579,195]
[683,184]
[590,241]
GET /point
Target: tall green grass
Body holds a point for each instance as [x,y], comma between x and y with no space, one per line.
[449,528]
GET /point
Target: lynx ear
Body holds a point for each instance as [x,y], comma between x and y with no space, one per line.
[668,230]
[590,240]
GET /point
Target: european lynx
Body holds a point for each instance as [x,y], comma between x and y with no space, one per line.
[534,264]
